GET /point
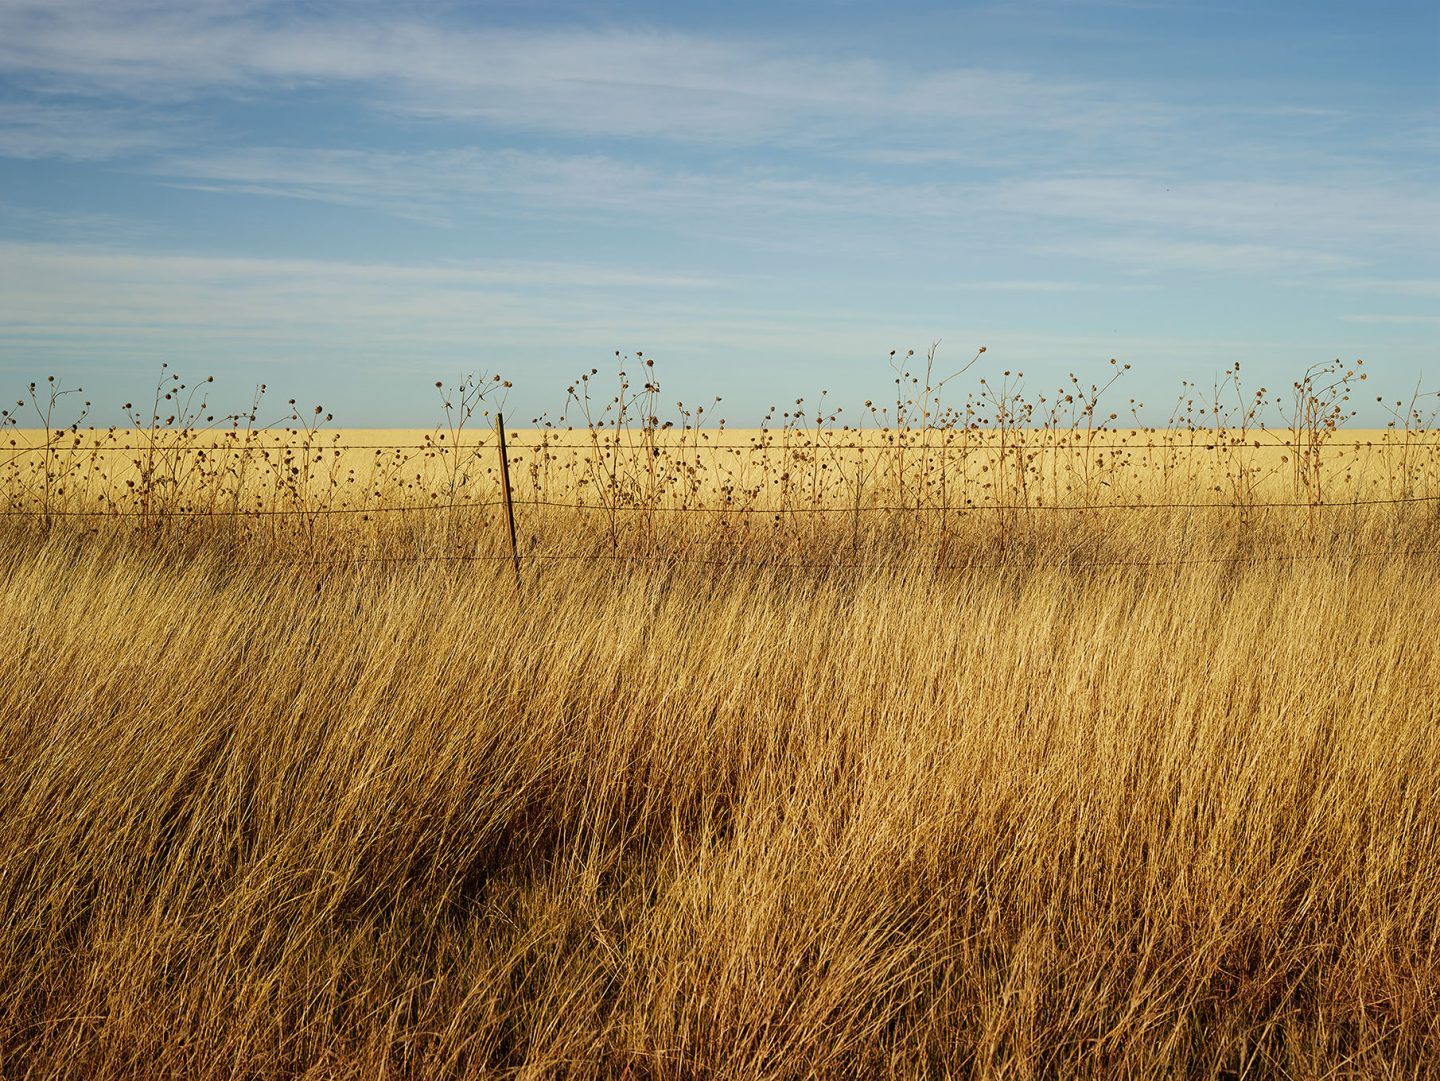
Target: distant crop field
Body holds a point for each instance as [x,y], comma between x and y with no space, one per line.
[987,745]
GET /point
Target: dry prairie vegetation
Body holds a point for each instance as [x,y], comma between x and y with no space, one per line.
[864,771]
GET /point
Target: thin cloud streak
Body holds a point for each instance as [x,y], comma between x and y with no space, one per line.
[565,81]
[40,130]
[25,261]
[1198,224]
[1401,319]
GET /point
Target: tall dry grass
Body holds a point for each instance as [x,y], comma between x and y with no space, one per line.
[1072,790]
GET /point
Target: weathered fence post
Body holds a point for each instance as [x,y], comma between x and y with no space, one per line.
[505,490]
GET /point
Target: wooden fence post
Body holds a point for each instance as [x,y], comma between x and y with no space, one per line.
[505,490]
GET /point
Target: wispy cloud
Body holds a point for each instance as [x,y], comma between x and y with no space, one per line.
[1406,287]
[609,82]
[1041,285]
[842,134]
[1152,254]
[1397,318]
[30,261]
[428,185]
[446,185]
[1150,224]
[36,129]
[1036,286]
[29,223]
[1308,209]
[119,308]
[127,303]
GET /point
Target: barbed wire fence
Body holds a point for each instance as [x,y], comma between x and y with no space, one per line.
[611,443]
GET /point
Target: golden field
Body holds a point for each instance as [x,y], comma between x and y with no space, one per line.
[929,752]
[739,469]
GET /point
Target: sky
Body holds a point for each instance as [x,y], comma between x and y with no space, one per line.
[348,201]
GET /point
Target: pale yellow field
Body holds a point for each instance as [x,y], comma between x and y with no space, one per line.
[795,762]
[754,469]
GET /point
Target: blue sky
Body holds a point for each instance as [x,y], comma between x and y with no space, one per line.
[348,201]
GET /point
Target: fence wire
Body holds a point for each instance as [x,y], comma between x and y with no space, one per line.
[738,509]
[611,504]
[980,445]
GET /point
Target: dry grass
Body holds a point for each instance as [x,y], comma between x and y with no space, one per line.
[1076,792]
